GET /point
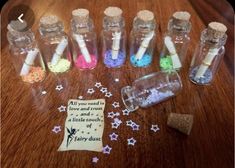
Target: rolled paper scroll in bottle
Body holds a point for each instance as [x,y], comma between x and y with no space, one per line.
[144,45]
[59,51]
[83,48]
[28,61]
[174,56]
[207,62]
[116,44]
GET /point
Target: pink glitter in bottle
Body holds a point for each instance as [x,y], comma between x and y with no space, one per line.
[81,63]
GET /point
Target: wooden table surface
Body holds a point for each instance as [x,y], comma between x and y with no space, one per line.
[27,118]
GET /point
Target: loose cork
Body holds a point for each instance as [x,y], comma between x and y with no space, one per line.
[180,122]
[216,30]
[181,18]
[82,15]
[145,15]
[114,13]
[49,20]
[16,25]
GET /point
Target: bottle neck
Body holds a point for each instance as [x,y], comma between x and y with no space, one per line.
[144,26]
[110,24]
[48,30]
[179,28]
[79,27]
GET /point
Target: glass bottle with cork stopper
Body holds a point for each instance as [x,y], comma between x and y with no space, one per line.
[142,39]
[151,89]
[55,44]
[84,40]
[176,41]
[208,54]
[113,38]
[27,59]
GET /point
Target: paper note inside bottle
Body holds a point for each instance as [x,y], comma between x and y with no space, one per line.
[116,44]
[29,60]
[84,125]
[59,51]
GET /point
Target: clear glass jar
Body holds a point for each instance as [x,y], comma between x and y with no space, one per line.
[176,42]
[84,41]
[113,38]
[151,89]
[142,39]
[27,57]
[206,59]
[54,44]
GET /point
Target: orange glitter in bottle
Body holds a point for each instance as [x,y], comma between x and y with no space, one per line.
[36,74]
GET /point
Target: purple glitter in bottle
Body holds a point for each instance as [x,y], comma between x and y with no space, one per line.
[114,63]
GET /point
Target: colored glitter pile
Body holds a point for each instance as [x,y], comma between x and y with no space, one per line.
[82,64]
[63,65]
[166,63]
[154,97]
[143,62]
[114,63]
[205,79]
[36,74]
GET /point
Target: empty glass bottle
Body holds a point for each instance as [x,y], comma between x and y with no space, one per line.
[176,42]
[142,39]
[84,40]
[113,38]
[26,58]
[208,54]
[151,89]
[54,44]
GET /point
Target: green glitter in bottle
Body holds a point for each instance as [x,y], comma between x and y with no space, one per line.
[166,63]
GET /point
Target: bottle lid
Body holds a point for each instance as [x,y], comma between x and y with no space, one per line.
[49,20]
[145,15]
[216,30]
[82,15]
[181,18]
[114,13]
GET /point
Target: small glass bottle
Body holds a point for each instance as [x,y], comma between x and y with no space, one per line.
[208,54]
[142,39]
[113,38]
[54,44]
[27,58]
[151,89]
[84,40]
[176,42]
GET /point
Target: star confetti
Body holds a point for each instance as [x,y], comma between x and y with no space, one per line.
[131,141]
[115,104]
[108,94]
[111,114]
[56,129]
[80,97]
[62,108]
[155,128]
[115,125]
[135,127]
[107,149]
[113,136]
[117,120]
[104,90]
[95,159]
[98,84]
[129,123]
[59,87]
[126,112]
[90,91]
[44,92]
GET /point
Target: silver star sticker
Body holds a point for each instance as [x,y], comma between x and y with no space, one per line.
[115,125]
[129,123]
[135,127]
[104,90]
[131,141]
[108,94]
[95,159]
[111,114]
[80,97]
[107,149]
[59,87]
[98,84]
[113,136]
[126,112]
[56,129]
[90,91]
[155,128]
[115,104]
[44,92]
[62,108]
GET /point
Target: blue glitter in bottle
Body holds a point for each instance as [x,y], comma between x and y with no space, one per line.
[143,62]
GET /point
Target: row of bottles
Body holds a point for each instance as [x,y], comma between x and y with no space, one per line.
[56,45]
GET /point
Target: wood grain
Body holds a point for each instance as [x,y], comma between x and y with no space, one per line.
[28,118]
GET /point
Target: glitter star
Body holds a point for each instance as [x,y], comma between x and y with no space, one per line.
[116,120]
[131,141]
[44,92]
[155,128]
[115,104]
[107,149]
[95,159]
[56,129]
[111,114]
[108,94]
[135,127]
[59,87]
[113,136]
[104,90]
[90,91]
[98,84]
[129,123]
[126,112]
[80,97]
[62,108]
[115,125]
[117,114]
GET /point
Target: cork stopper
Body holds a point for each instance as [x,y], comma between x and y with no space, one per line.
[180,122]
[81,15]
[145,15]
[16,25]
[181,18]
[114,13]
[216,30]
[49,20]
